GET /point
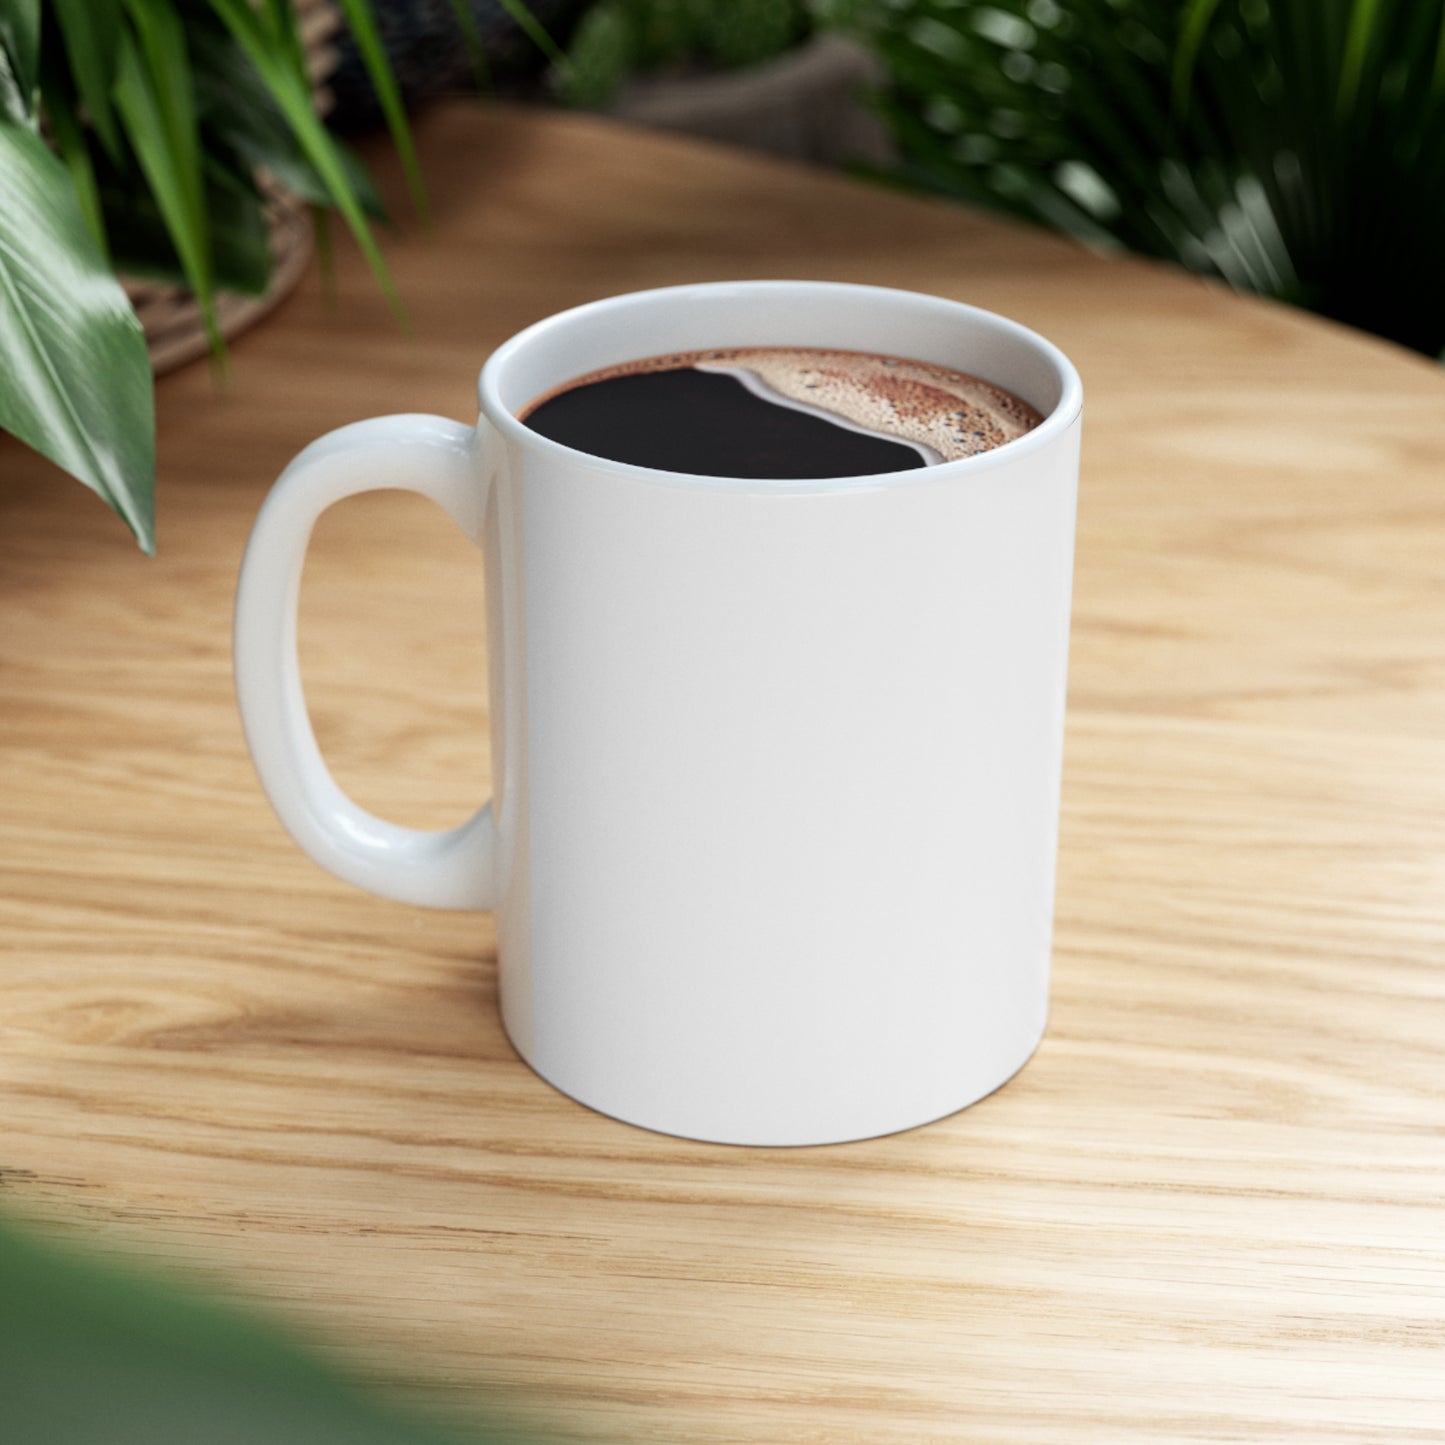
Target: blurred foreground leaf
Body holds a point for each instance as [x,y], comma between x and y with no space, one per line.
[94,1354]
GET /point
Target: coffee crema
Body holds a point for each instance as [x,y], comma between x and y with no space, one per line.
[781,412]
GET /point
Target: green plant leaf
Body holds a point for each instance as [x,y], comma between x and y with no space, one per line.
[472,39]
[239,237]
[152,96]
[91,31]
[142,245]
[70,143]
[747,32]
[75,379]
[293,98]
[71,137]
[603,49]
[378,69]
[236,107]
[20,40]
[13,109]
[534,30]
[277,153]
[1364,21]
[1197,15]
[281,14]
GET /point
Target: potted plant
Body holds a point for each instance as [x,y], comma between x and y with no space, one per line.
[767,74]
[161,139]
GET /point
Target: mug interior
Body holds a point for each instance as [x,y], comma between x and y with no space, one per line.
[781,313]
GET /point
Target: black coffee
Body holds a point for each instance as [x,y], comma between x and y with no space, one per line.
[783,413]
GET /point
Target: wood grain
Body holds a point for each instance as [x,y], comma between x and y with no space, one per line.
[1210,1208]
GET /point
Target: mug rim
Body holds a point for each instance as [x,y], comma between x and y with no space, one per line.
[1059,419]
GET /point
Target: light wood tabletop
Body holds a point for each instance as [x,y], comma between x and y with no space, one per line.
[1213,1205]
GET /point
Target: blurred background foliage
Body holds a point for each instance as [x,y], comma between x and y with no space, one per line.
[616,39]
[1295,148]
[440,47]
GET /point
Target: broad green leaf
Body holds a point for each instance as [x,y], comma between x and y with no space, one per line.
[294,100]
[91,32]
[75,379]
[161,129]
[378,69]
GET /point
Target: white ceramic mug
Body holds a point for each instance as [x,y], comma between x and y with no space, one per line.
[773,835]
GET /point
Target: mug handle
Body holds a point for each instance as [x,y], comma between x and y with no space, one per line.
[439,459]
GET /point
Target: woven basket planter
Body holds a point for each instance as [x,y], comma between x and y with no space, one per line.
[168,313]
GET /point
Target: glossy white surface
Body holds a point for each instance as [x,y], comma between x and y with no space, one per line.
[778,763]
[442,460]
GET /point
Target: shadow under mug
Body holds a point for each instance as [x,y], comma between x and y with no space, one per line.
[773,836]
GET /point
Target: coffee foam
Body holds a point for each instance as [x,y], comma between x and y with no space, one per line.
[945,414]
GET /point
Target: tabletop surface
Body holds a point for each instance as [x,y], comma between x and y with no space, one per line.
[1213,1205]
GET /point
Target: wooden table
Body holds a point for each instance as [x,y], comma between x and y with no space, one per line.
[1211,1208]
